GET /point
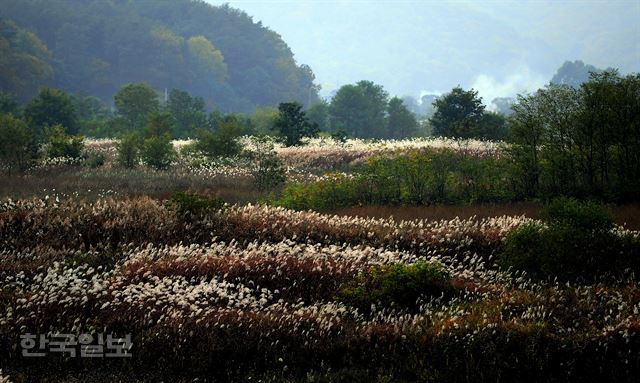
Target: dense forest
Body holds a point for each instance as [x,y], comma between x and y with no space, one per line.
[94,47]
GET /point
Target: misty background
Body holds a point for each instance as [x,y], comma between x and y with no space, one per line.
[500,48]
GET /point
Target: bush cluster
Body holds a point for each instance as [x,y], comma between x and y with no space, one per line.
[418,177]
[576,240]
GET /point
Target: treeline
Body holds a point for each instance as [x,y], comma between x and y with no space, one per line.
[137,105]
[562,141]
[365,110]
[581,142]
[94,47]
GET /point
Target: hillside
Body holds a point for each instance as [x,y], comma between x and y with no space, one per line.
[96,46]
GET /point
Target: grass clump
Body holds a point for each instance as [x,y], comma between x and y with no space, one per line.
[194,205]
[397,284]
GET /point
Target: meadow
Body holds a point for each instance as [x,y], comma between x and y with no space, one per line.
[217,279]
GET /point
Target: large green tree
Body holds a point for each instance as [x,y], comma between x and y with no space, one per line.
[458,113]
[292,124]
[263,119]
[16,140]
[360,110]
[319,113]
[582,142]
[52,107]
[401,123]
[187,111]
[8,104]
[492,126]
[135,103]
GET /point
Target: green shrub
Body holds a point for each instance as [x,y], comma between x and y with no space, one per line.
[60,144]
[17,146]
[418,177]
[334,191]
[397,284]
[575,242]
[583,215]
[129,151]
[221,143]
[157,152]
[188,204]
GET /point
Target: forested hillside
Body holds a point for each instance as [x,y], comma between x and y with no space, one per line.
[96,46]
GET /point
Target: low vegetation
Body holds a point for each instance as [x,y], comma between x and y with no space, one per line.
[258,292]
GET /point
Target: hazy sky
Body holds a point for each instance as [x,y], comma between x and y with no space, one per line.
[411,47]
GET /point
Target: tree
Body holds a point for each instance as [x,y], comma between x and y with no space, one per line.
[206,58]
[458,113]
[159,124]
[157,152]
[292,124]
[529,131]
[493,126]
[401,123]
[269,171]
[16,139]
[188,112]
[135,103]
[318,114]
[52,107]
[62,145]
[221,143]
[347,111]
[609,133]
[360,110]
[93,116]
[24,61]
[89,108]
[129,151]
[263,120]
[579,142]
[8,104]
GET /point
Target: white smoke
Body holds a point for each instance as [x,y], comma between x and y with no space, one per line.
[523,80]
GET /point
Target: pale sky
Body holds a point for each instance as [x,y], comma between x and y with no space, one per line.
[411,47]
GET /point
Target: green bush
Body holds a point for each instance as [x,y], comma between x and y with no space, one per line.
[17,146]
[334,191]
[576,241]
[60,144]
[129,151]
[419,177]
[157,152]
[397,284]
[221,143]
[583,215]
[188,204]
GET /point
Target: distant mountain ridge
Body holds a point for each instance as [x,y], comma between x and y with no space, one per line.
[95,46]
